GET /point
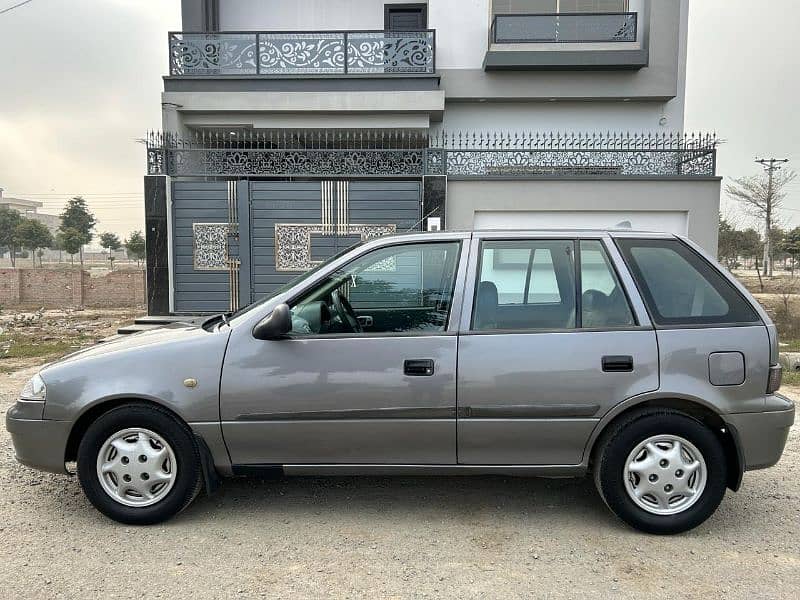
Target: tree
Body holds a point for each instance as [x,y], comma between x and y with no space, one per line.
[791,245]
[9,220]
[71,240]
[33,235]
[762,196]
[729,238]
[777,236]
[110,242]
[135,246]
[80,220]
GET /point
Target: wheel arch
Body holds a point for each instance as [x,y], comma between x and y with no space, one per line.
[694,407]
[92,412]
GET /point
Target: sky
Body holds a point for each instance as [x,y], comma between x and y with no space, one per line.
[78,89]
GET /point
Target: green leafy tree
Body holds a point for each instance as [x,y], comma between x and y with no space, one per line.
[71,240]
[750,244]
[791,245]
[80,220]
[777,236]
[110,241]
[9,220]
[33,235]
[728,243]
[135,246]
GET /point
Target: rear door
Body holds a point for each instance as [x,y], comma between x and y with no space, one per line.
[549,342]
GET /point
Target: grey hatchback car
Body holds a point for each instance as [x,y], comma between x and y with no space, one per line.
[631,356]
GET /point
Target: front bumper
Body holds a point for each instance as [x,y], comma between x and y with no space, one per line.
[761,436]
[38,443]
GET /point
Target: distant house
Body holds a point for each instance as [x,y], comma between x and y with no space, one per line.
[30,209]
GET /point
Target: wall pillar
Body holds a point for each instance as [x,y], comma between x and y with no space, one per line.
[76,286]
[157,244]
[434,200]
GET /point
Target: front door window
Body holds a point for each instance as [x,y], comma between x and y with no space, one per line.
[398,289]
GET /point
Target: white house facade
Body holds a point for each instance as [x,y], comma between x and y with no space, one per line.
[292,128]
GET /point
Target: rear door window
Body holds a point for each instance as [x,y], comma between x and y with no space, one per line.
[682,288]
[524,285]
[603,301]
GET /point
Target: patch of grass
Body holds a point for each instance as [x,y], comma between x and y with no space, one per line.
[28,347]
[788,345]
[791,378]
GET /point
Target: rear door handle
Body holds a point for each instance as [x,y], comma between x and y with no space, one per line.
[617,364]
[418,367]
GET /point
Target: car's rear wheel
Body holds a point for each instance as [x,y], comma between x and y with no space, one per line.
[139,465]
[661,471]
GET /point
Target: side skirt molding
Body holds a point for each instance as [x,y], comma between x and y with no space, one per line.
[342,470]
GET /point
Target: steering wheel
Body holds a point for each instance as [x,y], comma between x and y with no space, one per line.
[345,311]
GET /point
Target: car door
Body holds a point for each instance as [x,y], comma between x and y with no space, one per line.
[549,342]
[338,392]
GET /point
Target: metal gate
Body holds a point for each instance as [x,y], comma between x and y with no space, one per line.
[204,246]
[236,241]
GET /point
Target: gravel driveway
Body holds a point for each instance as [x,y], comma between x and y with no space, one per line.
[473,537]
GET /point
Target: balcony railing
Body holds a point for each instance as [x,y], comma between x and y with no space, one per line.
[564,27]
[303,53]
[403,154]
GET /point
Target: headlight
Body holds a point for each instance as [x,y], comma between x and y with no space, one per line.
[35,389]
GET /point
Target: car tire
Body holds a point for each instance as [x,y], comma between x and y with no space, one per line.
[139,465]
[661,471]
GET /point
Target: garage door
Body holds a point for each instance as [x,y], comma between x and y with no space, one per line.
[668,221]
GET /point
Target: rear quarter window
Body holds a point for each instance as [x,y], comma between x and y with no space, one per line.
[680,287]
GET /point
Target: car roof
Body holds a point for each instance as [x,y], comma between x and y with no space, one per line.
[611,231]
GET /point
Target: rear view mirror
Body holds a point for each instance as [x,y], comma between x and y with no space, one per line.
[276,325]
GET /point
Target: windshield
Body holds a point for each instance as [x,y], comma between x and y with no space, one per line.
[293,282]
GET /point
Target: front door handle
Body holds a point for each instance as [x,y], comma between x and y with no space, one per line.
[617,364]
[418,368]
[366,320]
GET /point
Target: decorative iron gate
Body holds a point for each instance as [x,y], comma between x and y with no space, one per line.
[235,241]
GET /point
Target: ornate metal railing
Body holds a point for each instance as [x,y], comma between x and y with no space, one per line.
[564,27]
[409,154]
[302,53]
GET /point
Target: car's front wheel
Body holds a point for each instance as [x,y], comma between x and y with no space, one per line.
[661,471]
[139,465]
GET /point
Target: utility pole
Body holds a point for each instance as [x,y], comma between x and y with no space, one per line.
[770,166]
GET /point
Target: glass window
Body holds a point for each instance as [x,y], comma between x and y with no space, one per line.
[396,289]
[592,6]
[603,301]
[543,286]
[680,287]
[547,7]
[525,284]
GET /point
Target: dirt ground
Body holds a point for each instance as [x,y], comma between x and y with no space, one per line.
[472,537]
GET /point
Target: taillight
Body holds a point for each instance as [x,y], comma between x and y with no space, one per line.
[775,378]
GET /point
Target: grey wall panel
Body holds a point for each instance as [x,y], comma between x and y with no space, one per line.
[197,202]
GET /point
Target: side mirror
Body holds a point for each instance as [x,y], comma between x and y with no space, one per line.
[275,326]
